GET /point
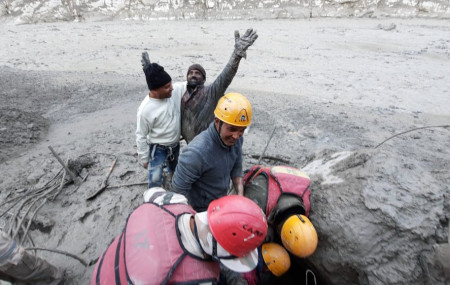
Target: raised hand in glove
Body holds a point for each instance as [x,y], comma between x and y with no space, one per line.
[145,60]
[241,44]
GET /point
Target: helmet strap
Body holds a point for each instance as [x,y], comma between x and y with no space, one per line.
[220,126]
[301,219]
[218,131]
[206,256]
[214,249]
[214,252]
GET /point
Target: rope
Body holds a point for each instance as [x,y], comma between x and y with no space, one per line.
[312,273]
[81,260]
[427,127]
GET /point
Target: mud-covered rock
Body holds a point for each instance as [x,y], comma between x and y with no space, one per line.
[378,219]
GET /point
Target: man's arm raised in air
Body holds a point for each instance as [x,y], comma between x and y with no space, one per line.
[241,44]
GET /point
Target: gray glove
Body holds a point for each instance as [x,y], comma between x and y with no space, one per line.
[241,44]
[145,60]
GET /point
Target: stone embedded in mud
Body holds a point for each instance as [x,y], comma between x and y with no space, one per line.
[35,176]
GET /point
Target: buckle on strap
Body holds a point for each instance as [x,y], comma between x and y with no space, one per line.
[165,146]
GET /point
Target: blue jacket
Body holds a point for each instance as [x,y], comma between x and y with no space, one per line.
[206,167]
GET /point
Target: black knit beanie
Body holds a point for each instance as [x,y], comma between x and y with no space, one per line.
[156,76]
[198,67]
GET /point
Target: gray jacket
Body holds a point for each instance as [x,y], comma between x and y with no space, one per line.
[197,109]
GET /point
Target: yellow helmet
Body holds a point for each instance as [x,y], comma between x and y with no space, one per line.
[276,258]
[234,109]
[299,236]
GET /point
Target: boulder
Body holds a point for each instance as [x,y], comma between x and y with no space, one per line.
[382,216]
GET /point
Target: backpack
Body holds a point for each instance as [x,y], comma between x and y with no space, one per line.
[267,186]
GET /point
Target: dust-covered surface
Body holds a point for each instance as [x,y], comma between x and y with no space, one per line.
[329,87]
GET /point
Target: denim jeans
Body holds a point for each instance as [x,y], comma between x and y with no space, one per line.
[161,165]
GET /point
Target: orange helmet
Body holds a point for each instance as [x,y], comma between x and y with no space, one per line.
[237,223]
[276,258]
[299,236]
[234,109]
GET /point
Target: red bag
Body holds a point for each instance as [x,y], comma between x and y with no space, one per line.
[280,179]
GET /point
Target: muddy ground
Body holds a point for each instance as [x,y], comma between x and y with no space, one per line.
[323,84]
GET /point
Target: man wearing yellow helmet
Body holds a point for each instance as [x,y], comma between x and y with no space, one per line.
[214,157]
[184,108]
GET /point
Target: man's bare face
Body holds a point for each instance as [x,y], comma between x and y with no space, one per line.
[229,134]
[165,91]
[195,77]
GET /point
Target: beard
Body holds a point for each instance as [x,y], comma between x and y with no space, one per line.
[193,83]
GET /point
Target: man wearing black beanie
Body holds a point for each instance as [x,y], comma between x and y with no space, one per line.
[156,76]
[158,125]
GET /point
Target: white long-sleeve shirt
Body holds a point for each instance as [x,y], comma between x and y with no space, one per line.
[159,121]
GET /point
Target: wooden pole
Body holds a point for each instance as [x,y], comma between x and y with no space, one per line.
[72,175]
[264,151]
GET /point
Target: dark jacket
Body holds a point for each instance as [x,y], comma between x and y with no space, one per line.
[197,109]
[205,168]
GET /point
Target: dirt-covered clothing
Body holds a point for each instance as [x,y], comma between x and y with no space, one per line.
[19,266]
[161,165]
[160,197]
[158,122]
[150,251]
[197,108]
[206,167]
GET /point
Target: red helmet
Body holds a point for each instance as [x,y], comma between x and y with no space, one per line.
[237,223]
